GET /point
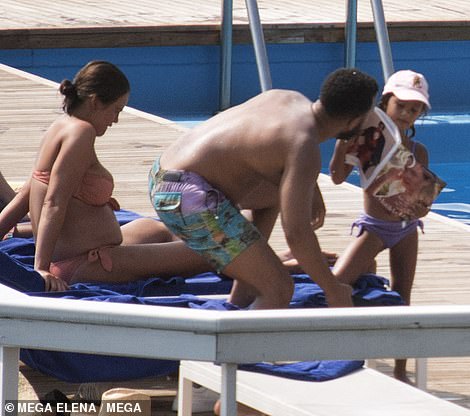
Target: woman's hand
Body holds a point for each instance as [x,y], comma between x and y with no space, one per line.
[53,283]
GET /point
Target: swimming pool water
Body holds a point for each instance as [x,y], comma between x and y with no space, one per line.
[454,200]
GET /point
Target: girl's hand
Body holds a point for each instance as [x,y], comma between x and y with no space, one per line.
[53,283]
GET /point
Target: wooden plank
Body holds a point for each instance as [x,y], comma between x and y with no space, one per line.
[112,23]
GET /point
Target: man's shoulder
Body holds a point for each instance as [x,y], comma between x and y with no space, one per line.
[284,93]
[280,96]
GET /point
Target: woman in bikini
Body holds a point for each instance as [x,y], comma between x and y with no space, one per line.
[77,235]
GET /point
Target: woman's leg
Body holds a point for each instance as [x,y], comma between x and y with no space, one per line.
[403,258]
[146,231]
[141,261]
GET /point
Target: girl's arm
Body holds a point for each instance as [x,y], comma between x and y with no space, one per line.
[421,154]
[339,169]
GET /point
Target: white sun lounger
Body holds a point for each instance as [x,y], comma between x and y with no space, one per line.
[365,392]
[229,338]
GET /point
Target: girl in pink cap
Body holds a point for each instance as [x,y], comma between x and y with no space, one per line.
[405,97]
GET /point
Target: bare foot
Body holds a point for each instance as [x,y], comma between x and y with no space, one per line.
[242,410]
[404,378]
[399,372]
[292,265]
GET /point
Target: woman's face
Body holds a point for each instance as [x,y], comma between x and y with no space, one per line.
[107,114]
[404,113]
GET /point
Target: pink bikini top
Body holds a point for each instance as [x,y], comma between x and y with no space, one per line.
[94,190]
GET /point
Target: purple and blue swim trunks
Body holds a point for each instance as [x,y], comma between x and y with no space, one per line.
[390,232]
[200,215]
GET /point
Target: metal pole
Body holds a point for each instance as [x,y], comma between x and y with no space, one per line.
[351,34]
[382,38]
[226,55]
[228,395]
[259,45]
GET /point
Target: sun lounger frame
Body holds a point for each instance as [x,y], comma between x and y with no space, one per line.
[365,392]
[226,338]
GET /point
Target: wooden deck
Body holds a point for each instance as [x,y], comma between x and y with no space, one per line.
[111,23]
[27,106]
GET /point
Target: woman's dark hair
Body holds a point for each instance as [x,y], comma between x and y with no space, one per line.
[348,92]
[99,78]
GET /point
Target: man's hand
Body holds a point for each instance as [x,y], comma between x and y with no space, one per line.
[53,283]
[318,209]
[340,296]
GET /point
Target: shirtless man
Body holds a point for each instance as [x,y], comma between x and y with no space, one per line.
[264,156]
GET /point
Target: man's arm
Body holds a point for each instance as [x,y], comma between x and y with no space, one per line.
[297,193]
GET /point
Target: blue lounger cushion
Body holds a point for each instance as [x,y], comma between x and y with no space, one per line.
[16,271]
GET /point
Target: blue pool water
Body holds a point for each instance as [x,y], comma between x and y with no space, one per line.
[454,201]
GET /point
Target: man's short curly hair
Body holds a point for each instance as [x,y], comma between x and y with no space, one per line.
[348,92]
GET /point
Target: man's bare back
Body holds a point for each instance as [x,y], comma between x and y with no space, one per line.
[244,149]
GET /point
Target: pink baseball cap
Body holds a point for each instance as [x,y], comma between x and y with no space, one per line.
[408,85]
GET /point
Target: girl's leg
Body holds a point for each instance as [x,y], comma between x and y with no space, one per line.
[403,257]
[358,258]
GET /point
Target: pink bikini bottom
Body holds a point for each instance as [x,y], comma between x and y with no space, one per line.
[66,269]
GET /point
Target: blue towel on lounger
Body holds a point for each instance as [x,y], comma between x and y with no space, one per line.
[16,271]
[306,370]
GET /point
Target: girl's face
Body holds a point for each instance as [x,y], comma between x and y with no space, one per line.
[109,114]
[404,113]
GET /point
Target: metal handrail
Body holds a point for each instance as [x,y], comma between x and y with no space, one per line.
[382,38]
[226,55]
[381,33]
[259,45]
[351,34]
